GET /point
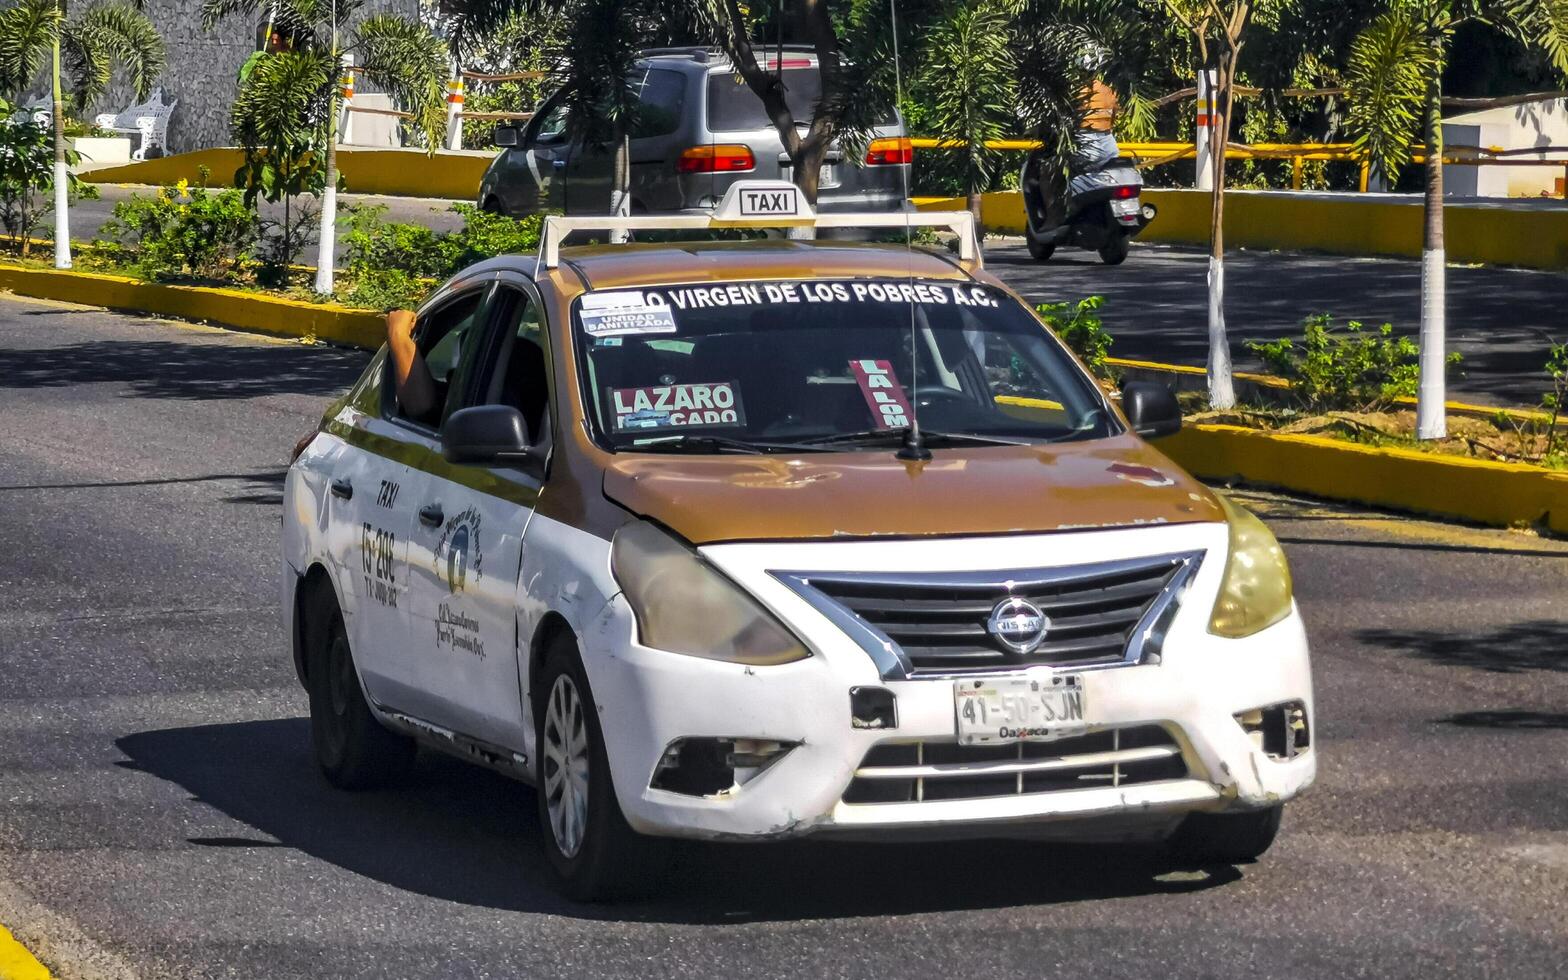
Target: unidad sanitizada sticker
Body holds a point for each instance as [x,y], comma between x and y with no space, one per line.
[625,312]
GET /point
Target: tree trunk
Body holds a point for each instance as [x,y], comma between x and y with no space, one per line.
[1431,420]
[1222,392]
[327,240]
[62,179]
[620,181]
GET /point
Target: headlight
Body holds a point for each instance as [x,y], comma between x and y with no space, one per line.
[1256,590]
[684,605]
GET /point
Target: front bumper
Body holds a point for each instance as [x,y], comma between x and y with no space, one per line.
[1193,695]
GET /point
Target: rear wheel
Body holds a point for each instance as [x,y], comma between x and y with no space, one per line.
[1114,252]
[353,749]
[1225,838]
[586,838]
[1038,250]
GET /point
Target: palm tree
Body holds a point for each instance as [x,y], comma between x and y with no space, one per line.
[970,71]
[1395,78]
[289,99]
[87,50]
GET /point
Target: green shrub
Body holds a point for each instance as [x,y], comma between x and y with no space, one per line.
[384,289]
[27,175]
[1080,327]
[486,235]
[1332,369]
[372,246]
[184,230]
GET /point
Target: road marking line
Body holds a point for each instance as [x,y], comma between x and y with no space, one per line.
[16,963]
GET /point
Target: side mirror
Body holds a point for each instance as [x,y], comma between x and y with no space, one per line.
[1151,408]
[506,136]
[485,434]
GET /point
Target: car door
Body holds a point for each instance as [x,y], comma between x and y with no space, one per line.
[590,172]
[367,521]
[466,548]
[384,480]
[537,168]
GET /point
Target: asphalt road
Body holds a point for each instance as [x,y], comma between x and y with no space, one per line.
[1500,320]
[160,815]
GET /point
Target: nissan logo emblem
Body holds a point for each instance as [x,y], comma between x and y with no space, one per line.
[1018,624]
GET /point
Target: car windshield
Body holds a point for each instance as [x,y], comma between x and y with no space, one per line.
[826,365]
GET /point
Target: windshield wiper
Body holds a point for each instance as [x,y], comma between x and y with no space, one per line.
[711,443]
[878,436]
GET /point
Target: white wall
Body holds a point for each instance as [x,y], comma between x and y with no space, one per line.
[1542,124]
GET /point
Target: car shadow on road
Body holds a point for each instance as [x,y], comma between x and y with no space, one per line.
[1540,644]
[461,834]
[202,369]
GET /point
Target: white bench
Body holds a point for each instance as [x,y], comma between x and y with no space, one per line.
[150,120]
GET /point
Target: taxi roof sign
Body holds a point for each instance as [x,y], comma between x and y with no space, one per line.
[760,204]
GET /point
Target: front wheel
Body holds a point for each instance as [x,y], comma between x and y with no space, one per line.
[586,838]
[1225,838]
[1114,252]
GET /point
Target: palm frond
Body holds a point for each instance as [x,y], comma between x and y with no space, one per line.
[409,62]
[1540,24]
[27,33]
[283,101]
[1391,64]
[969,66]
[111,34]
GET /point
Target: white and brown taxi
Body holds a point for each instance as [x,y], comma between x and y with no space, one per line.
[756,539]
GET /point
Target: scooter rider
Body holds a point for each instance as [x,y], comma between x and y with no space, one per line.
[1093,147]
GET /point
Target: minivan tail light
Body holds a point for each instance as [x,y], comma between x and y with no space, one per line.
[1125,191]
[890,151]
[717,158]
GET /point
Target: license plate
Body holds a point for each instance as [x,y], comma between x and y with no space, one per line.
[826,177]
[1017,709]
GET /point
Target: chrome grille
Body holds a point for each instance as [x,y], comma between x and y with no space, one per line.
[912,772]
[938,620]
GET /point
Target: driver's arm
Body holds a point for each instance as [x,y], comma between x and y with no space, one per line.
[416,390]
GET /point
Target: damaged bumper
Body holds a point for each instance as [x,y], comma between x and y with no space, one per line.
[713,750]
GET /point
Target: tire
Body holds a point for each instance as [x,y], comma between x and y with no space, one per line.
[1225,838]
[586,839]
[491,205]
[1038,250]
[353,749]
[1114,252]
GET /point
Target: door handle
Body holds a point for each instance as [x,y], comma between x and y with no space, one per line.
[431,515]
[558,164]
[342,488]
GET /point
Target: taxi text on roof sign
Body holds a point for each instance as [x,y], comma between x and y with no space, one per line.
[760,204]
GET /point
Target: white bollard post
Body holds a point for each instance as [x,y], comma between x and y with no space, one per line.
[1201,133]
[454,109]
[346,124]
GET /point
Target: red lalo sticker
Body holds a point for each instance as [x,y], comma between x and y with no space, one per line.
[883,393]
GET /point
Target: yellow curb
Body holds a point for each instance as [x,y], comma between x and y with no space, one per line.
[16,963]
[1274,381]
[1455,487]
[449,174]
[228,307]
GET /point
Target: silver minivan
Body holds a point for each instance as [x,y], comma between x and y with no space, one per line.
[700,129]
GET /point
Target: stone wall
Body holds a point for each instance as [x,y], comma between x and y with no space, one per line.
[203,69]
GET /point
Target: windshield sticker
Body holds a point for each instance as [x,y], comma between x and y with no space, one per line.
[884,394]
[677,406]
[783,293]
[627,312]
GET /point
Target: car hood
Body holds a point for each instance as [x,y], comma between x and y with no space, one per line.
[1104,483]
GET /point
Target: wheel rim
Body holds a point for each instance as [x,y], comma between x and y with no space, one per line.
[565,755]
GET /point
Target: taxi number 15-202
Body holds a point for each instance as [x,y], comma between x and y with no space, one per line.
[1015,709]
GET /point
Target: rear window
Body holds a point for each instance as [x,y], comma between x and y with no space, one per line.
[733,106]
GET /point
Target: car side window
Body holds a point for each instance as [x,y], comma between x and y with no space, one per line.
[442,337]
[518,376]
[662,95]
[552,128]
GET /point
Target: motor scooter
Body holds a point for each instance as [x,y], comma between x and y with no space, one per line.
[1100,210]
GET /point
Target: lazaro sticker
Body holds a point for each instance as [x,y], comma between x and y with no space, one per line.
[676,406]
[627,312]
